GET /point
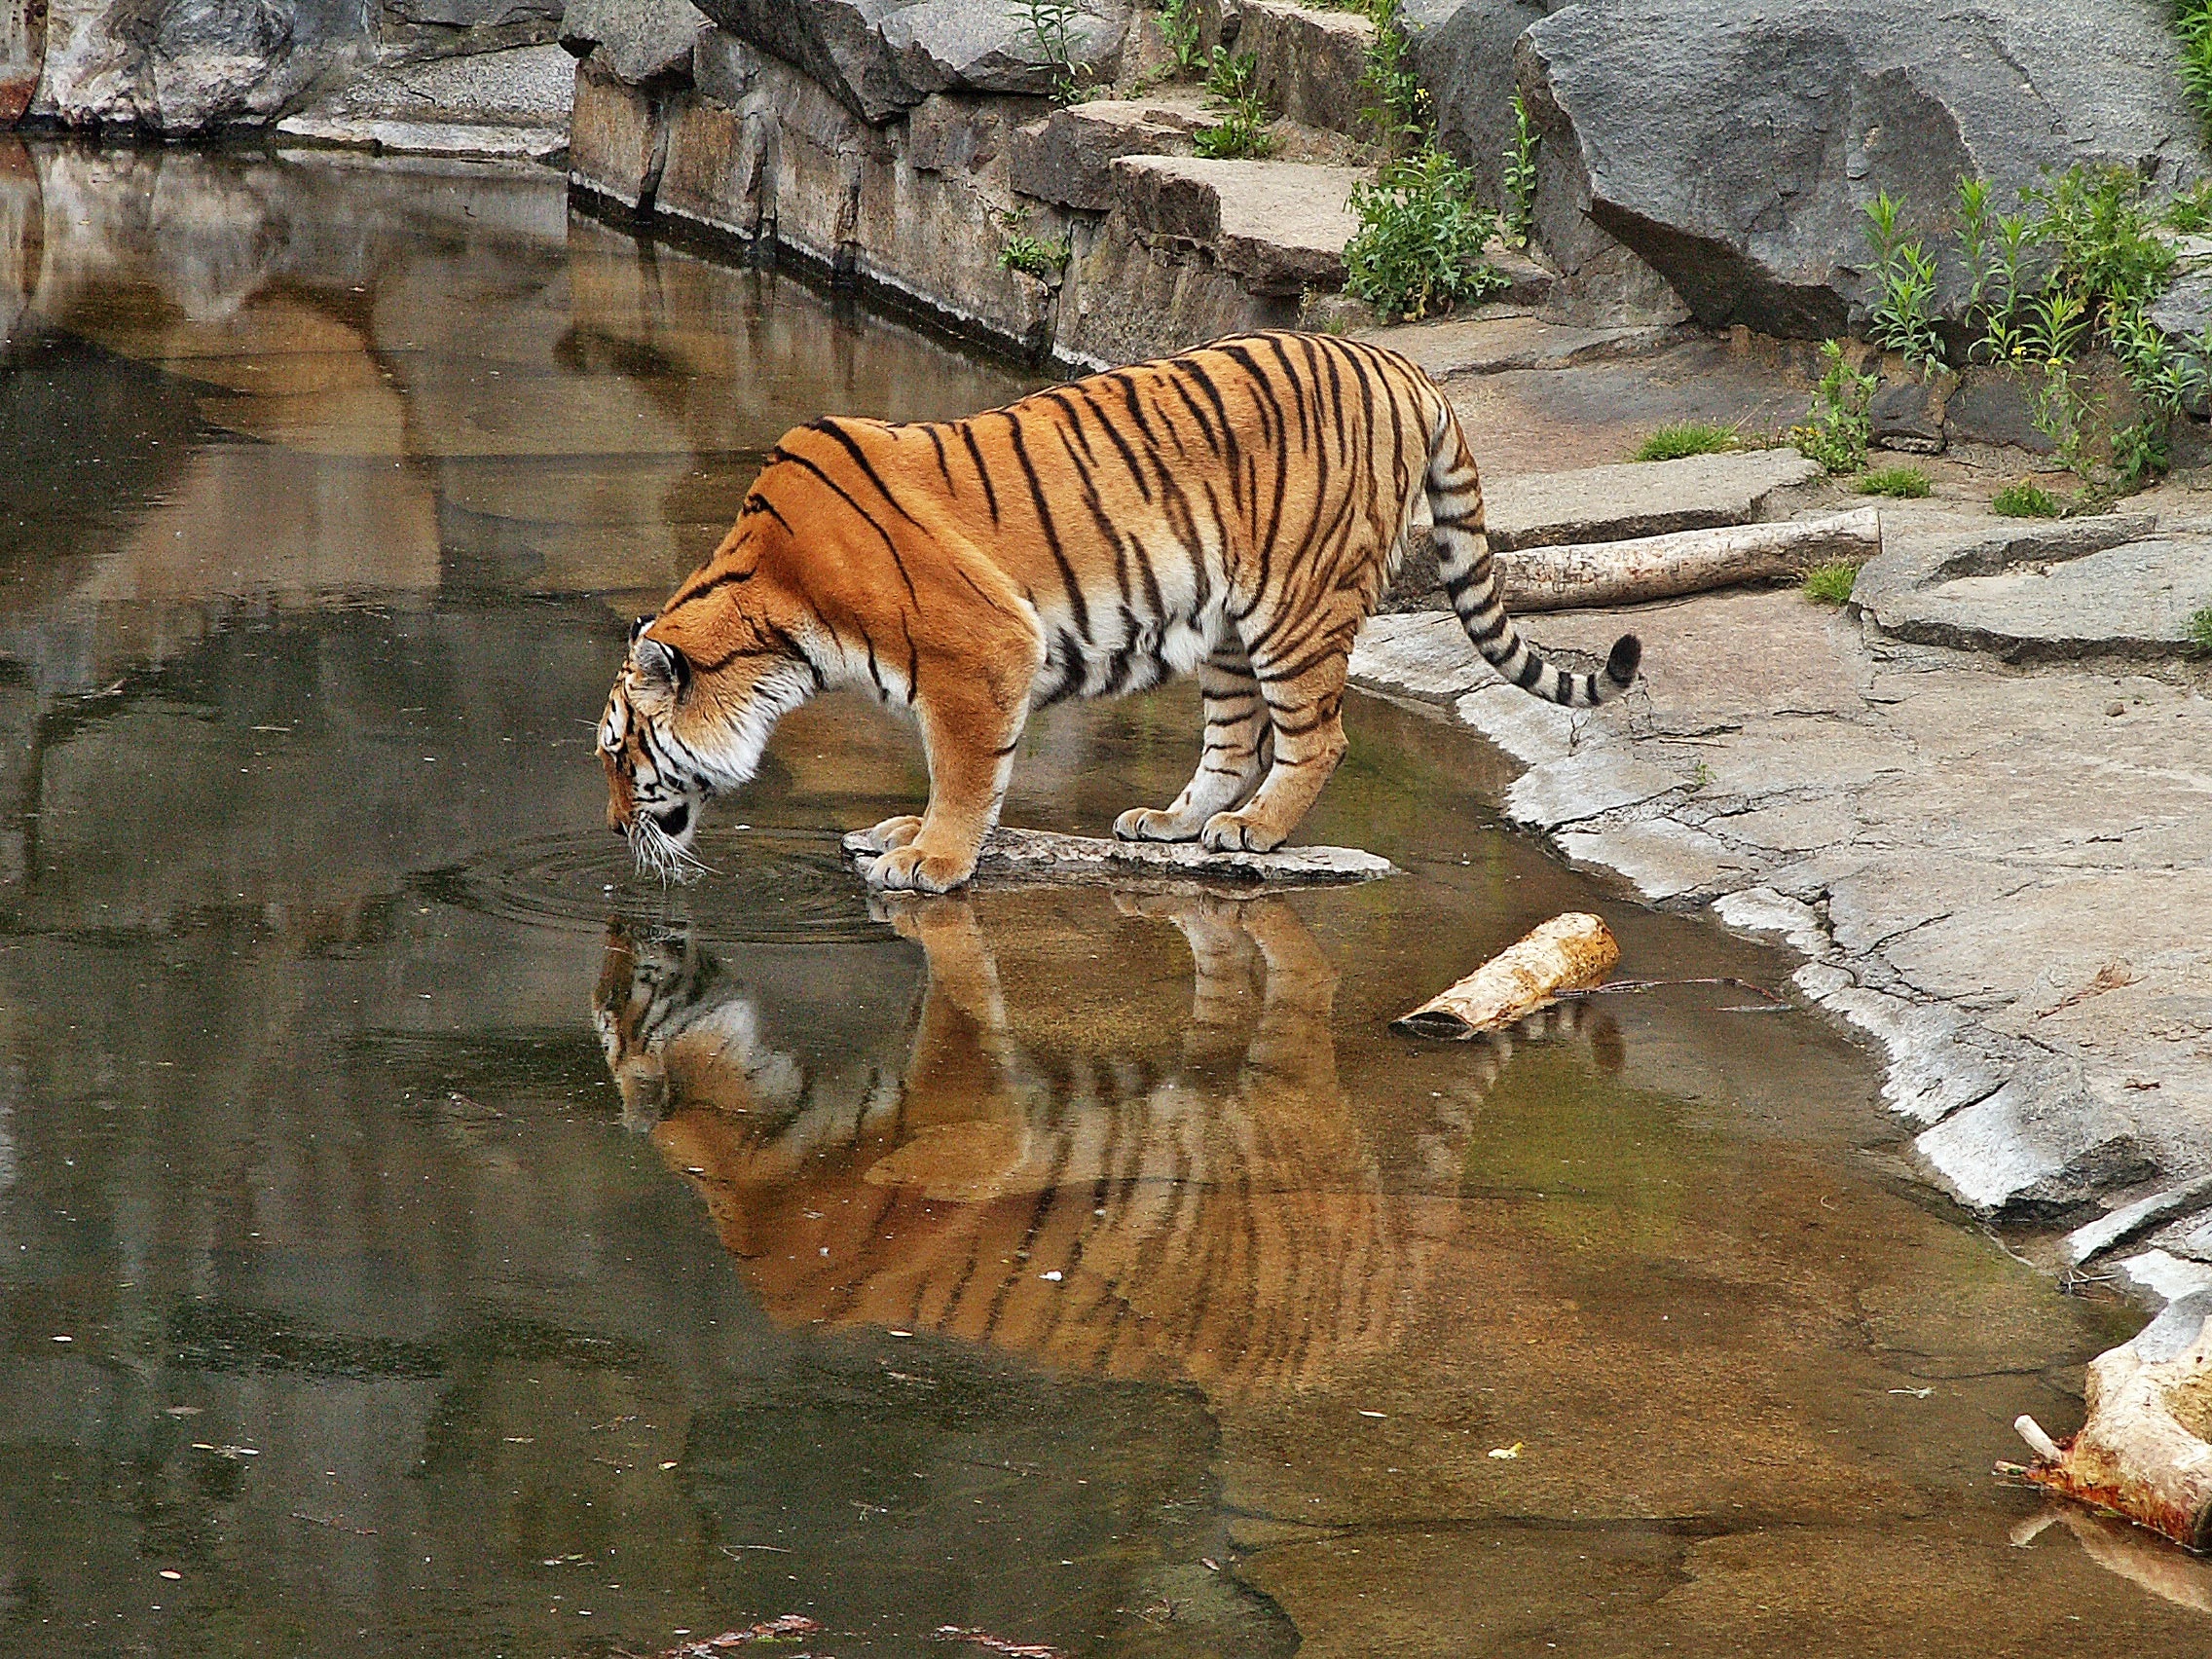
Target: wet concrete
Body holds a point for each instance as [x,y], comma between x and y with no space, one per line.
[464,1247]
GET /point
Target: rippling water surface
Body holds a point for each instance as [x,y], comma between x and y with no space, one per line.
[419,1236]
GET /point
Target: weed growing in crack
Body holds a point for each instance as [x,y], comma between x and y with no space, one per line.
[1832,583]
[1834,430]
[1685,438]
[1419,245]
[2022,500]
[1898,483]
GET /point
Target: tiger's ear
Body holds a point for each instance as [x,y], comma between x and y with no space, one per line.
[661,663]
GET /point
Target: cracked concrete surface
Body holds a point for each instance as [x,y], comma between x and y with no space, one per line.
[2002,875]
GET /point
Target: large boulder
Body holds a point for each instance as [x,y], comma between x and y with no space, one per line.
[643,42]
[1732,144]
[185,68]
[1462,51]
[881,58]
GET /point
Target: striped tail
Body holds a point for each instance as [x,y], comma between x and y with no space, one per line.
[1462,560]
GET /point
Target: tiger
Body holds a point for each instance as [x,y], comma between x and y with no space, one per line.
[1236,510]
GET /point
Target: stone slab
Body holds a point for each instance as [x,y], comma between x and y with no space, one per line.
[1593,780]
[1037,855]
[2130,1220]
[1612,503]
[1281,226]
[1309,65]
[1663,858]
[1068,157]
[1500,345]
[2030,1148]
[2133,599]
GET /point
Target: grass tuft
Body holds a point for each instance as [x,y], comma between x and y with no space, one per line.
[1901,483]
[1685,438]
[2200,629]
[2023,499]
[1832,583]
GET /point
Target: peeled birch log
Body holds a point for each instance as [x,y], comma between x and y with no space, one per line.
[1688,561]
[1568,953]
[2141,1452]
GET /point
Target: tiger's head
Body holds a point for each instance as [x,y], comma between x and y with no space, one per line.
[689,716]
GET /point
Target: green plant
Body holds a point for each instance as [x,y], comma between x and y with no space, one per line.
[2191,209]
[1903,313]
[2139,452]
[1051,23]
[1686,437]
[1399,114]
[1519,177]
[1900,483]
[1834,431]
[2200,629]
[1024,251]
[2022,500]
[1180,22]
[1832,583]
[1241,134]
[1420,244]
[2095,222]
[2192,22]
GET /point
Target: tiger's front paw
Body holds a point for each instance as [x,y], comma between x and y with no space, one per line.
[910,870]
[1235,832]
[893,833]
[1150,824]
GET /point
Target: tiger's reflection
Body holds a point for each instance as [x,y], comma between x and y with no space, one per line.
[1084,1192]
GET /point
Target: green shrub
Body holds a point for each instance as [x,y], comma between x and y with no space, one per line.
[2191,209]
[1902,315]
[1420,240]
[2023,499]
[1399,114]
[1241,134]
[1683,438]
[1834,431]
[1051,23]
[1832,583]
[2192,22]
[1519,176]
[2200,629]
[1027,252]
[1900,483]
[1180,22]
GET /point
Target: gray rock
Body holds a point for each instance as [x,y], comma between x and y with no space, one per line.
[1611,503]
[1309,64]
[1995,406]
[1908,415]
[2037,1145]
[1732,143]
[511,102]
[1464,54]
[1069,157]
[2134,600]
[987,46]
[647,42]
[1011,856]
[880,57]
[474,14]
[178,69]
[2129,1221]
[1584,784]
[1281,226]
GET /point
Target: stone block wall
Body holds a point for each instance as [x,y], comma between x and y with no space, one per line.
[914,200]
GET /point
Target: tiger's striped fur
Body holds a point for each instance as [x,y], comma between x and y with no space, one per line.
[1236,510]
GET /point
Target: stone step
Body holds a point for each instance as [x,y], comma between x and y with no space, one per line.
[1068,157]
[1309,65]
[1281,226]
[1612,503]
[1501,345]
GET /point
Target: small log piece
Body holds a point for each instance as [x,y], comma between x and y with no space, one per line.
[1687,560]
[2141,1452]
[1568,953]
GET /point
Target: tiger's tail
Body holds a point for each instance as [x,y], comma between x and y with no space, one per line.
[1463,562]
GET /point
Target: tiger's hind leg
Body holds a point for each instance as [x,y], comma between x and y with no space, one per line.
[1301,681]
[1235,757]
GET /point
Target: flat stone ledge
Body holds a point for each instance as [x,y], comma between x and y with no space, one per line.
[1281,226]
[1503,345]
[1068,157]
[1614,504]
[1040,856]
[2130,600]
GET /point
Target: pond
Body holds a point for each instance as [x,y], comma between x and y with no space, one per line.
[419,1235]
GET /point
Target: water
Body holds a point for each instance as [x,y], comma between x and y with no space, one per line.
[419,1237]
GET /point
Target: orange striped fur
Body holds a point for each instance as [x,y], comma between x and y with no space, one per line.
[1236,510]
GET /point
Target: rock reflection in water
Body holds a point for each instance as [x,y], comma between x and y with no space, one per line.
[1087,1195]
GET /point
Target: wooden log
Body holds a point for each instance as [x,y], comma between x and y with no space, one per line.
[1688,561]
[1039,856]
[2141,1451]
[1568,953]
